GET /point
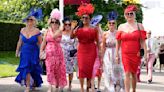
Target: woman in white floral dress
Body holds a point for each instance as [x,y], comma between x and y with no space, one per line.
[68,44]
[113,73]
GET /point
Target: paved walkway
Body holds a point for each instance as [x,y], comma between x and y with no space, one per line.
[8,84]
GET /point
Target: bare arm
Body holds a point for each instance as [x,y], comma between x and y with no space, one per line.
[73,32]
[39,38]
[143,42]
[43,44]
[118,45]
[57,33]
[103,44]
[19,44]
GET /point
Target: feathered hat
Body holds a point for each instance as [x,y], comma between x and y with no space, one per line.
[37,13]
[131,8]
[55,14]
[113,15]
[85,8]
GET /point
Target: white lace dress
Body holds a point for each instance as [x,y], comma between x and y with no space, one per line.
[113,72]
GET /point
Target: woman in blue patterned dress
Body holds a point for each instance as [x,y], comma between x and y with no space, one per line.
[28,47]
[67,45]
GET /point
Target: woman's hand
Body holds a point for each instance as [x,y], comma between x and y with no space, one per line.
[117,60]
[17,53]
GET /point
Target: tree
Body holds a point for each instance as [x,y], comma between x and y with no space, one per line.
[16,10]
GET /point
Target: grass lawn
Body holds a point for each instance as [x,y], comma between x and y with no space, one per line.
[7,70]
[8,63]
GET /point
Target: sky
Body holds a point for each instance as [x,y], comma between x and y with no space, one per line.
[153,16]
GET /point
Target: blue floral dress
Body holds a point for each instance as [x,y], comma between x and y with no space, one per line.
[69,44]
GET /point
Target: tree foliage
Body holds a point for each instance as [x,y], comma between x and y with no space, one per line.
[16,10]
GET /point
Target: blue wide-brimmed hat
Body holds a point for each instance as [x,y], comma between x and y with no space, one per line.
[37,13]
[95,20]
[113,15]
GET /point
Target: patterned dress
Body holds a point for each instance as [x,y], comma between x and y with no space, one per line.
[55,64]
[68,44]
[113,73]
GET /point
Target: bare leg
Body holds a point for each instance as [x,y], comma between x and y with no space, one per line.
[99,82]
[57,89]
[82,84]
[134,81]
[50,88]
[88,84]
[28,82]
[92,85]
[70,81]
[127,82]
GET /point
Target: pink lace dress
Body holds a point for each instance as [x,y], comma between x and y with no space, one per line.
[55,64]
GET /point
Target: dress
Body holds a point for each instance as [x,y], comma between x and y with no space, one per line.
[113,73]
[68,44]
[86,53]
[29,61]
[55,64]
[130,46]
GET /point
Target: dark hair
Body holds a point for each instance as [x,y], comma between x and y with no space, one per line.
[66,19]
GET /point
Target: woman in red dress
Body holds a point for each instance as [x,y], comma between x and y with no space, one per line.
[88,41]
[129,37]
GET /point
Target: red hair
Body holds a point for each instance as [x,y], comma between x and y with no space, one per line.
[85,9]
[130,8]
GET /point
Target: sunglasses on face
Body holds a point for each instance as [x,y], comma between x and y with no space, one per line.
[148,33]
[29,19]
[129,14]
[54,22]
[85,17]
[112,23]
[67,24]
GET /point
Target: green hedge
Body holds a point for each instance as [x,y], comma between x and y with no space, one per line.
[9,34]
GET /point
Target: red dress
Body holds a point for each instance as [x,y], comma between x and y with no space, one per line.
[86,53]
[130,46]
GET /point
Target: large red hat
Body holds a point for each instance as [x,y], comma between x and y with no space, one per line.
[85,9]
[130,8]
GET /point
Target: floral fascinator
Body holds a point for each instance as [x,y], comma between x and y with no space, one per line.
[55,14]
[85,8]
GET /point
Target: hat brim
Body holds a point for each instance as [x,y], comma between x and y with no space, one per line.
[95,20]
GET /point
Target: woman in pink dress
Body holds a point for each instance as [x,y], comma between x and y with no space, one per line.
[55,64]
[130,37]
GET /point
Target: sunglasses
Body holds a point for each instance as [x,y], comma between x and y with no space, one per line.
[29,19]
[112,23]
[148,33]
[67,24]
[52,22]
[85,17]
[129,14]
